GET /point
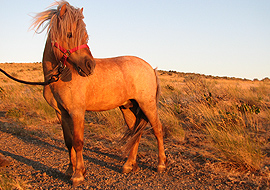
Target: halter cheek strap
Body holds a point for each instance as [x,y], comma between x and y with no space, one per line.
[67,53]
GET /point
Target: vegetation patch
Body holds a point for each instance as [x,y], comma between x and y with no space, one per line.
[8,181]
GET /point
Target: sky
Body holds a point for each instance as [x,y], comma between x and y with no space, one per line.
[212,37]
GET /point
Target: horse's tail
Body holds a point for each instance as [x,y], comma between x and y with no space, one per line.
[134,134]
[141,122]
[158,86]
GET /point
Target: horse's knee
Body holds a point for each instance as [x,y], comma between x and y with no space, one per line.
[78,145]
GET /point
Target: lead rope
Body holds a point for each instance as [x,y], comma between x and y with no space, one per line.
[54,78]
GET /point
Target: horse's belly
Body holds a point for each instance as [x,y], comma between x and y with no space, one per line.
[103,106]
[106,102]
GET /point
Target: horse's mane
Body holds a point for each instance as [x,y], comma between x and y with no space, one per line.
[58,27]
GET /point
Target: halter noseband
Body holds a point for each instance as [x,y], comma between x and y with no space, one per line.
[67,53]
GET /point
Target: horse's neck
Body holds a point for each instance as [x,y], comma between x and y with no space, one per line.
[49,61]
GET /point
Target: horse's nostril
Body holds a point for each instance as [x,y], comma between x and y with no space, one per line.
[90,65]
[81,72]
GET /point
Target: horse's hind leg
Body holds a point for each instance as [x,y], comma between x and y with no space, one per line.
[129,114]
[150,110]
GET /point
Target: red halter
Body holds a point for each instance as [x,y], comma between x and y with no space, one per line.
[67,53]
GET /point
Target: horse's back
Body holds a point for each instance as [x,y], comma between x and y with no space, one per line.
[133,70]
[124,62]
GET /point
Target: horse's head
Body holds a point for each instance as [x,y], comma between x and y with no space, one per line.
[66,28]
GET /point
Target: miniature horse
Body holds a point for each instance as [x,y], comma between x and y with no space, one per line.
[88,84]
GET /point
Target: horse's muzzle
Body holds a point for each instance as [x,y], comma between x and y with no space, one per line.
[87,69]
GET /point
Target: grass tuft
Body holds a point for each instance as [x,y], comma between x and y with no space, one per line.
[231,115]
[8,181]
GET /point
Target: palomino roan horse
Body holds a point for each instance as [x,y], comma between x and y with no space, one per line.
[88,84]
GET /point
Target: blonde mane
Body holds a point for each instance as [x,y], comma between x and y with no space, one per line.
[58,27]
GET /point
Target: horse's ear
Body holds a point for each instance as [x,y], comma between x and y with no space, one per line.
[63,10]
[81,9]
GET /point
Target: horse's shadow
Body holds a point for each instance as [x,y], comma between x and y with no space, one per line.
[102,163]
[52,172]
[113,166]
[30,138]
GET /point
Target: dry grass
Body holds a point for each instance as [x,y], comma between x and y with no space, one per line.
[106,124]
[233,114]
[7,182]
[24,103]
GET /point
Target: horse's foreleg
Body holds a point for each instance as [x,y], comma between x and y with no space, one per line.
[78,123]
[67,127]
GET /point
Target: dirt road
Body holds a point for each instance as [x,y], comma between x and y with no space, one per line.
[39,158]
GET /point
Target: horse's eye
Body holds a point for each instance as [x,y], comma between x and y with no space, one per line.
[69,34]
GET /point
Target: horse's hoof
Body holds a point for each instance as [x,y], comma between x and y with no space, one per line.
[78,179]
[128,169]
[161,168]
